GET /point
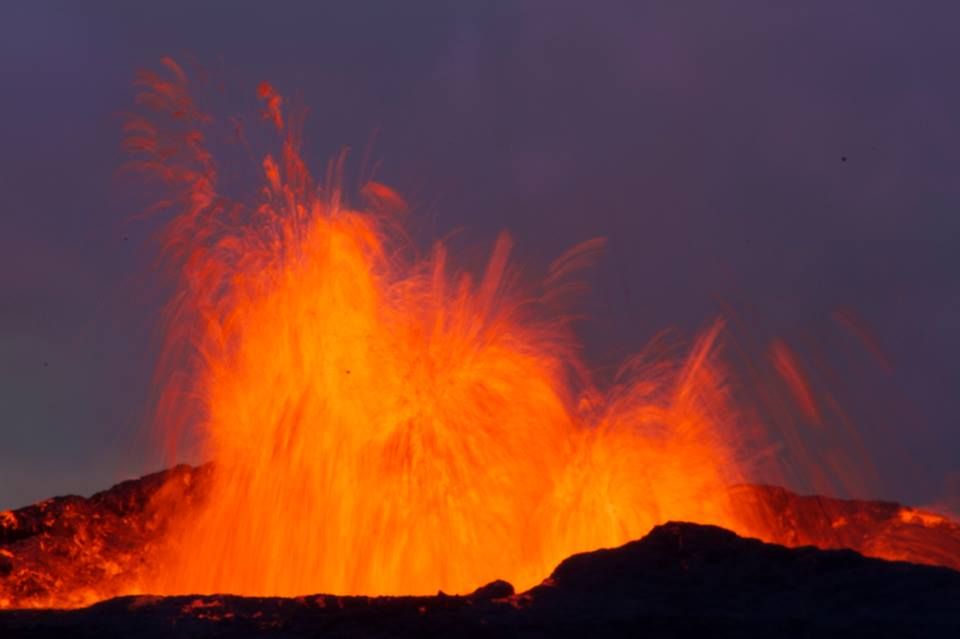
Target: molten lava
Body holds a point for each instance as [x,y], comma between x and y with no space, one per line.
[382,424]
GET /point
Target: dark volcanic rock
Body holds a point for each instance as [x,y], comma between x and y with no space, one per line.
[709,577]
[494,590]
[89,548]
[70,551]
[681,580]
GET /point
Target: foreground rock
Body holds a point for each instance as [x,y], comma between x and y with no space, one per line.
[74,551]
[681,580]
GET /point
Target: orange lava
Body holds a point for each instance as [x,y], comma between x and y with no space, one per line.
[382,423]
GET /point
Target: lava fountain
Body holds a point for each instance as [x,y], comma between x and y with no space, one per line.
[385,421]
[380,422]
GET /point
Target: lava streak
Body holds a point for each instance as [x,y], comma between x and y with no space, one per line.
[380,422]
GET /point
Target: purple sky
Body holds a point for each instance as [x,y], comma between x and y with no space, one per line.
[705,142]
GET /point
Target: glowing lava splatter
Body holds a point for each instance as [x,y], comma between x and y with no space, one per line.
[383,424]
[380,422]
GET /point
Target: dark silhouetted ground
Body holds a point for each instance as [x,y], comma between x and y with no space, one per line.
[681,580]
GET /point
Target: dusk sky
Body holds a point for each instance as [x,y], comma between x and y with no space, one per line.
[786,159]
